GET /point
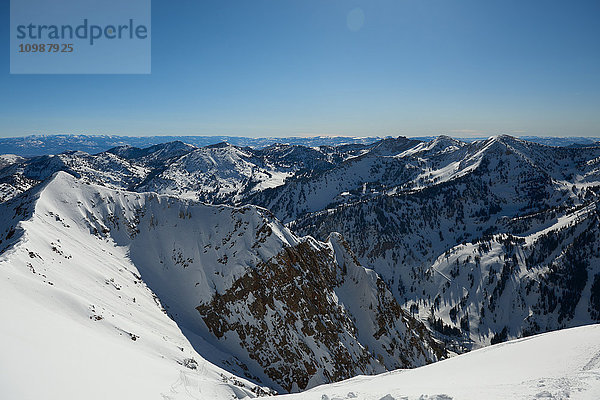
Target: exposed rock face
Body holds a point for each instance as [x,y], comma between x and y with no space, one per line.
[287,315]
[290,316]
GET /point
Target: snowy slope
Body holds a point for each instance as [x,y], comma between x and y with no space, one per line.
[80,323]
[558,365]
[231,278]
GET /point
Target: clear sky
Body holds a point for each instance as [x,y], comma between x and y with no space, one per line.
[333,67]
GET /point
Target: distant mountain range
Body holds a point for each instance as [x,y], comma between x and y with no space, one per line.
[38,145]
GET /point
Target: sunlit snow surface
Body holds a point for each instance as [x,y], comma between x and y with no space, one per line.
[78,320]
[558,365]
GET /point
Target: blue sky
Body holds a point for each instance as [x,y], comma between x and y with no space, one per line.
[291,67]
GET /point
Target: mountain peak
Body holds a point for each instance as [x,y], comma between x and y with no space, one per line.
[444,143]
[393,145]
[221,145]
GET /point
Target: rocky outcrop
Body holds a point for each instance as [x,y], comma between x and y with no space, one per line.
[302,314]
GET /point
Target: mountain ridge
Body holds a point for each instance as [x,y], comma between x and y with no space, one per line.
[38,145]
[195,258]
[471,244]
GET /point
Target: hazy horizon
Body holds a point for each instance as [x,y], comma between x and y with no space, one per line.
[174,135]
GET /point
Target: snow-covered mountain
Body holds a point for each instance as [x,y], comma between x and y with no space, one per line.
[557,365]
[216,174]
[402,166]
[219,173]
[470,244]
[79,320]
[39,145]
[245,292]
[456,202]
